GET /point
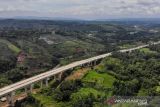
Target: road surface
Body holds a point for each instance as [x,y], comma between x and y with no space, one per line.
[24,83]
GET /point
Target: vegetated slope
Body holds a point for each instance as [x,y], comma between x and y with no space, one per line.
[30,47]
[12,47]
[123,74]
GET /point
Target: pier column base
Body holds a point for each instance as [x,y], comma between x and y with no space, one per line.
[41,84]
[10,99]
[29,89]
[95,63]
[46,81]
[58,76]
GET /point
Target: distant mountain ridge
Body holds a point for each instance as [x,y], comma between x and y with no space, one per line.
[41,18]
[79,19]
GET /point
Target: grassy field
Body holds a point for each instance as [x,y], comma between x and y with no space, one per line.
[103,79]
[158,89]
[147,51]
[11,46]
[85,92]
[125,46]
[46,101]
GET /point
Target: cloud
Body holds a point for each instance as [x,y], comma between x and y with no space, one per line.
[87,9]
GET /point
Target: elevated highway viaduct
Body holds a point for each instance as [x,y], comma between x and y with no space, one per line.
[9,91]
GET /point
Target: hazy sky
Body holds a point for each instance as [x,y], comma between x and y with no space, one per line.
[81,9]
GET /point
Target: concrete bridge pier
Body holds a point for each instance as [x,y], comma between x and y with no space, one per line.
[29,89]
[129,51]
[10,99]
[46,81]
[26,90]
[72,69]
[95,63]
[92,63]
[89,64]
[83,66]
[55,77]
[41,84]
[58,76]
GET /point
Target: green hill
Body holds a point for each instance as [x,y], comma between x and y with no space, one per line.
[123,74]
[11,46]
[47,44]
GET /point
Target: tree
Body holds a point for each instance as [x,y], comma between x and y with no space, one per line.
[63,92]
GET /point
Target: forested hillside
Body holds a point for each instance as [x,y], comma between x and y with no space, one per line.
[30,47]
[123,74]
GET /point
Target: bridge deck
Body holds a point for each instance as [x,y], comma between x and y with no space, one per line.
[19,85]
